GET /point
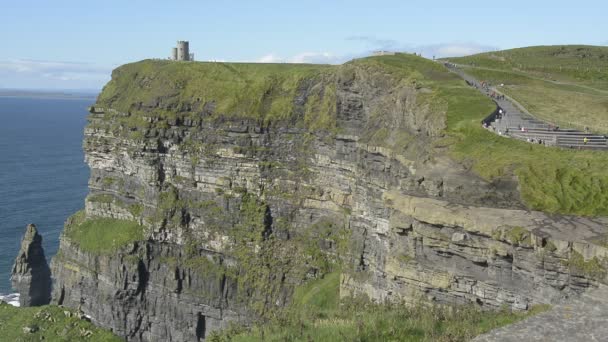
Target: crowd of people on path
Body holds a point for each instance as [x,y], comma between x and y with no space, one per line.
[497,96]
[486,86]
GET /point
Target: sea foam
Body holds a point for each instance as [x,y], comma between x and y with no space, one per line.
[12,299]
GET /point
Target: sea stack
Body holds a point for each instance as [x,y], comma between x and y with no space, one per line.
[31,273]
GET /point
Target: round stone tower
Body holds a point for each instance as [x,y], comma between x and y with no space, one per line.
[183,50]
[174,54]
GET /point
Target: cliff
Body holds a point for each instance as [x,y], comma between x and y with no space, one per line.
[217,188]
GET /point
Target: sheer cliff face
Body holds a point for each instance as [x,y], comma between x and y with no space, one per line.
[245,192]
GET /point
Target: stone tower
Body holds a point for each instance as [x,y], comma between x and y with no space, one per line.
[183,50]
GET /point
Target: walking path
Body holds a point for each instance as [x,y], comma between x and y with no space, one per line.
[518,123]
[581,319]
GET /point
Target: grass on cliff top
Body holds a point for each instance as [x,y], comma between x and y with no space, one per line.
[550,179]
[102,235]
[266,92]
[317,315]
[48,323]
[565,85]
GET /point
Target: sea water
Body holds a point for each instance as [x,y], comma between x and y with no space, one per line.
[43,177]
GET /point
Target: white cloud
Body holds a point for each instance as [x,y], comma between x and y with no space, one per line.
[25,73]
[315,57]
[449,49]
[303,57]
[270,58]
[454,49]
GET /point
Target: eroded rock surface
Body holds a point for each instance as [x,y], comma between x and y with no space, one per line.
[31,275]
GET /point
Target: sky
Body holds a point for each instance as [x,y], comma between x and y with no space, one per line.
[65,44]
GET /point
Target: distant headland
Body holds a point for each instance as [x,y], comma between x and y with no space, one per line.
[51,94]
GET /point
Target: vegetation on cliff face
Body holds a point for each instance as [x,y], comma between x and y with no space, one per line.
[317,314]
[101,235]
[48,323]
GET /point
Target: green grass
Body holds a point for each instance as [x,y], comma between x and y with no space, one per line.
[264,92]
[48,323]
[102,235]
[550,179]
[582,64]
[564,105]
[319,295]
[317,315]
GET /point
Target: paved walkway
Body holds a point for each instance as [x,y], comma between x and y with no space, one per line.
[534,130]
[582,319]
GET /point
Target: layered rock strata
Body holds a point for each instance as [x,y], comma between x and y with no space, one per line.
[237,211]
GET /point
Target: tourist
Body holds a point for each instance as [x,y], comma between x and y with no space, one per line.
[585,140]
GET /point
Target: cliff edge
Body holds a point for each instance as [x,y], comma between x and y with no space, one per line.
[217,188]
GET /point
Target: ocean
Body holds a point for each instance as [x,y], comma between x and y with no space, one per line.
[43,177]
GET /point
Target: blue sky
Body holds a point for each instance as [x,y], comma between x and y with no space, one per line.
[63,44]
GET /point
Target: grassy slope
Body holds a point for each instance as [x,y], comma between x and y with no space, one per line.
[49,324]
[317,315]
[566,85]
[551,179]
[102,235]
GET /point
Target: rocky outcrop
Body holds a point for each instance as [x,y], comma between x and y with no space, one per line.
[239,210]
[31,275]
[145,292]
[454,254]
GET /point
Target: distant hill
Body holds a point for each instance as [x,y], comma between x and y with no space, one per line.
[578,63]
[60,94]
